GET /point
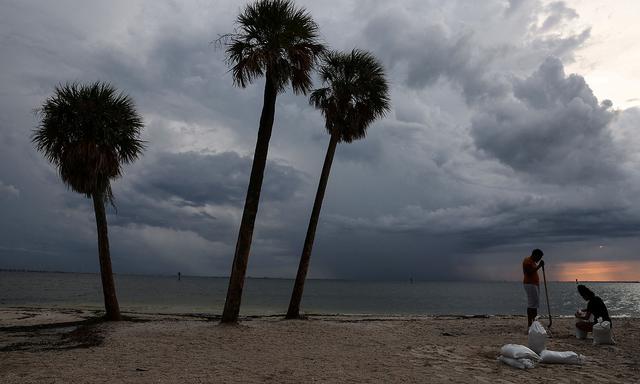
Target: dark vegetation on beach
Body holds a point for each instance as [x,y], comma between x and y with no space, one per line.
[355,94]
[280,42]
[89,131]
[84,333]
[54,336]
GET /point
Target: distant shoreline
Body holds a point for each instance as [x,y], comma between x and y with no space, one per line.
[97,311]
[327,279]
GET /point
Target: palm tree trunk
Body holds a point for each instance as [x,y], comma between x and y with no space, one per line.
[108,285]
[296,296]
[245,234]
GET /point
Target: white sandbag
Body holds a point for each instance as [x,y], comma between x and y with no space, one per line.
[537,337]
[602,333]
[555,357]
[516,351]
[581,334]
[517,363]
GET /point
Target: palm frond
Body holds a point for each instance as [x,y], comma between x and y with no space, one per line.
[354,95]
[274,36]
[88,132]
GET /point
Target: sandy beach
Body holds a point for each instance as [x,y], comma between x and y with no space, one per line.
[70,346]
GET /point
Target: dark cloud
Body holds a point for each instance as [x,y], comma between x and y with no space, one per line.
[469,59]
[439,54]
[200,194]
[491,148]
[553,130]
[8,191]
[514,5]
[222,178]
[505,220]
[562,47]
[558,13]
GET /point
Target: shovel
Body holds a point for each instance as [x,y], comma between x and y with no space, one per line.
[546,292]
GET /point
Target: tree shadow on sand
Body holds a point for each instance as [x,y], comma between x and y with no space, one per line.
[85,333]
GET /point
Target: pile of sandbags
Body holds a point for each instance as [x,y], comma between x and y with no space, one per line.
[555,357]
[518,356]
[537,342]
[537,337]
[602,333]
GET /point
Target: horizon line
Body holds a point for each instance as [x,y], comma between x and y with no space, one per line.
[409,280]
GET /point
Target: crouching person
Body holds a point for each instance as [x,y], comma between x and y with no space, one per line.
[595,308]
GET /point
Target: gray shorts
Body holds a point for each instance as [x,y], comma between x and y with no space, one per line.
[533,295]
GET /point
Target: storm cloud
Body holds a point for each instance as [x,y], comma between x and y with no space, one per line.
[553,129]
[222,178]
[492,147]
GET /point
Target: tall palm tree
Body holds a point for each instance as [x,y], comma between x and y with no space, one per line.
[279,41]
[88,132]
[355,95]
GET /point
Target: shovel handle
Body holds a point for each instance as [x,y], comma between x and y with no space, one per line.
[546,293]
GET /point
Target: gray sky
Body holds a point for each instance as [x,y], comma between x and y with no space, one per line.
[494,145]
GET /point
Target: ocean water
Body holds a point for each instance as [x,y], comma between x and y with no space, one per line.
[165,294]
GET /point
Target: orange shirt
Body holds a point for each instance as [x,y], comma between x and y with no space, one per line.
[530,272]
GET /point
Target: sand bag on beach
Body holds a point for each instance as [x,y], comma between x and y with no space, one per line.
[517,363]
[537,337]
[516,351]
[581,334]
[555,357]
[602,333]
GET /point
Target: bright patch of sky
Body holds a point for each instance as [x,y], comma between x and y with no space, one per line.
[610,59]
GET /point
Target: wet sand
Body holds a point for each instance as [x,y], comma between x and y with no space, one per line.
[72,346]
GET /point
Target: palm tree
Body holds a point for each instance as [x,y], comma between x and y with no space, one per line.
[279,41]
[355,95]
[88,132]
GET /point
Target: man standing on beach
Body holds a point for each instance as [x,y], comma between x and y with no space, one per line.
[531,281]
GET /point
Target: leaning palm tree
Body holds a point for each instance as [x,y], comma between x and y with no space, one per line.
[355,94]
[279,41]
[88,132]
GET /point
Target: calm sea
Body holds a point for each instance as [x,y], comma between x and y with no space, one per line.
[164,294]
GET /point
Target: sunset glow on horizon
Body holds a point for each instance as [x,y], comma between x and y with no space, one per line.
[597,271]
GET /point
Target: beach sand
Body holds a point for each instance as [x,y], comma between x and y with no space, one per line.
[49,346]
